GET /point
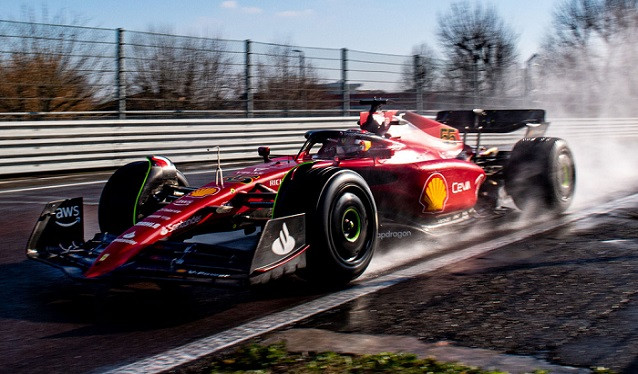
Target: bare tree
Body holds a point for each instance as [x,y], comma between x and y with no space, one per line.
[576,21]
[421,73]
[171,72]
[479,47]
[286,80]
[618,16]
[588,58]
[46,68]
[276,88]
[577,24]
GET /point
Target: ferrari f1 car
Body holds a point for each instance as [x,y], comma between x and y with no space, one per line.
[318,214]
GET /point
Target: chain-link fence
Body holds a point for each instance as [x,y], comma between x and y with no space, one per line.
[53,71]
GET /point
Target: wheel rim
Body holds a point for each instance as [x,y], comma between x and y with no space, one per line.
[565,176]
[349,231]
[351,225]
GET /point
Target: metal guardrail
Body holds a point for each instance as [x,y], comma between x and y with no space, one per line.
[48,146]
[45,146]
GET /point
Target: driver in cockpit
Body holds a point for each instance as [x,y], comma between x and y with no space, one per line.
[344,147]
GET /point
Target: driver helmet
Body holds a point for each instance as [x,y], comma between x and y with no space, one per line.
[352,147]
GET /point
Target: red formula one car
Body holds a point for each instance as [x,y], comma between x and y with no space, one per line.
[318,214]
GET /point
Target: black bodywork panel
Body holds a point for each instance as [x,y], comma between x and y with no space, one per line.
[491,121]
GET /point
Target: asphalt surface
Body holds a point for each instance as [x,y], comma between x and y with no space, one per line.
[566,296]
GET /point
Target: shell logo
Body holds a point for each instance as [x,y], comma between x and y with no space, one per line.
[435,194]
[205,191]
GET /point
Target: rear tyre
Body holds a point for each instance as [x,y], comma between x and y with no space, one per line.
[133,192]
[341,221]
[540,175]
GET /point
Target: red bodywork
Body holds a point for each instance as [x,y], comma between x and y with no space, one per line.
[419,170]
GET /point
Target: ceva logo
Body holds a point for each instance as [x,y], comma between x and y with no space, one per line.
[67,216]
[285,243]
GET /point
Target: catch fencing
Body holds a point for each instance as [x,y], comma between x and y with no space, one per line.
[54,71]
[64,146]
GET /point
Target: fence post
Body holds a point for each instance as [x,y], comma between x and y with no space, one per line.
[419,75]
[345,89]
[528,75]
[249,81]
[120,76]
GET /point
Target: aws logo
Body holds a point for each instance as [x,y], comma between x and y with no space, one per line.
[67,216]
[435,194]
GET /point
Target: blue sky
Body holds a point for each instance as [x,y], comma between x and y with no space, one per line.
[389,26]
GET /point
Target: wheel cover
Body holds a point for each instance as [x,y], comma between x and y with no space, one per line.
[351,224]
[349,230]
[565,176]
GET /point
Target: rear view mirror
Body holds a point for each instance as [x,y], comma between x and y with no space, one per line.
[264,152]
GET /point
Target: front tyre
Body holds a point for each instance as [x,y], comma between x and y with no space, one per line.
[347,227]
[136,190]
[341,221]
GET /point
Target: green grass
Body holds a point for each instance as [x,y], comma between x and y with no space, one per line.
[256,359]
[274,358]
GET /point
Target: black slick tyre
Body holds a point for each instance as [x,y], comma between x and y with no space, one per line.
[341,221]
[134,191]
[540,175]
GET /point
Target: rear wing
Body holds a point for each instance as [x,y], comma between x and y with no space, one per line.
[495,121]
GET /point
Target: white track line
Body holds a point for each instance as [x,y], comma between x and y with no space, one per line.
[26,189]
[203,347]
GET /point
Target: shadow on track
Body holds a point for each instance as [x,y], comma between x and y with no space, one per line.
[34,292]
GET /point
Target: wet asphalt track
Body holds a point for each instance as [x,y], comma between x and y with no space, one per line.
[568,296]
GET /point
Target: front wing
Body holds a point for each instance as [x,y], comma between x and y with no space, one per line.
[275,250]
